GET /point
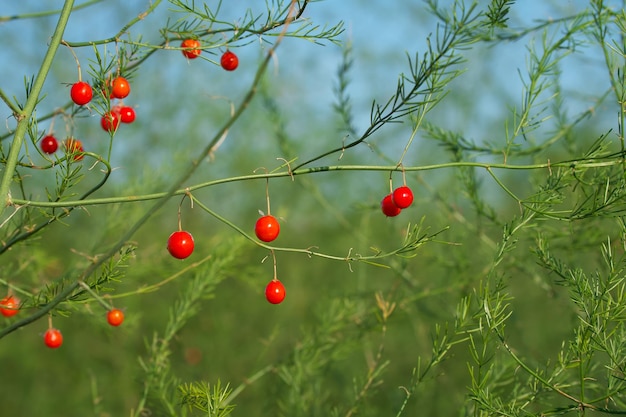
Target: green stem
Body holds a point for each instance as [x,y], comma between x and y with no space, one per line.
[249,381]
[418,122]
[205,33]
[413,244]
[50,115]
[579,402]
[571,164]
[46,13]
[14,109]
[618,84]
[24,116]
[95,295]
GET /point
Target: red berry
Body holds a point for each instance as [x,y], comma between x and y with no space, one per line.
[115,317]
[81,93]
[403,197]
[275,292]
[53,338]
[49,144]
[180,244]
[74,147]
[120,88]
[229,61]
[193,52]
[267,228]
[127,114]
[388,207]
[110,121]
[9,306]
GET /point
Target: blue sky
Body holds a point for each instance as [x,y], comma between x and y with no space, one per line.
[381,36]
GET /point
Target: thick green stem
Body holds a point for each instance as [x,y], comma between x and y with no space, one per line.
[23,117]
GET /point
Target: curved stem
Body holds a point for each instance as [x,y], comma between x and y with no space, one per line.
[410,244]
[30,232]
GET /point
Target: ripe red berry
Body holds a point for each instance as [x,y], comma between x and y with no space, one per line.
[267,228]
[229,61]
[193,52]
[120,87]
[275,292]
[115,317]
[81,93]
[9,306]
[74,147]
[180,244]
[110,121]
[49,144]
[53,338]
[388,207]
[402,197]
[127,114]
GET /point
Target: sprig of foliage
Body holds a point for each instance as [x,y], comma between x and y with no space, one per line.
[498,12]
[68,177]
[377,365]
[112,272]
[343,106]
[158,391]
[212,400]
[427,79]
[318,349]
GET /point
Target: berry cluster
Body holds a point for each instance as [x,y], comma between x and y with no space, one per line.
[110,121]
[393,203]
[53,338]
[81,94]
[192,50]
[180,244]
[118,88]
[73,147]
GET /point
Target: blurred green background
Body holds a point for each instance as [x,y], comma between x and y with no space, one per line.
[330,305]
